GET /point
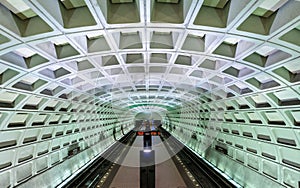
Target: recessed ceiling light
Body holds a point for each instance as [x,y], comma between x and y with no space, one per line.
[60,41]
[168,1]
[266,51]
[25,52]
[29,80]
[272,5]
[122,1]
[93,35]
[20,8]
[231,40]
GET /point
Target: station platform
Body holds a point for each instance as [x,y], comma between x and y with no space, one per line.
[166,173]
[136,162]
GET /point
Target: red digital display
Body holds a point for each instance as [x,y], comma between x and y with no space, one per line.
[140,133]
[152,133]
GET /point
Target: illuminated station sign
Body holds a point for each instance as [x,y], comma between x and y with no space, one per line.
[152,133]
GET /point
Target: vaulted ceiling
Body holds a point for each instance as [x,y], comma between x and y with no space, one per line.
[66,65]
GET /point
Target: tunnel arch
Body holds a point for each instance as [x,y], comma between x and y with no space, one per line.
[69,72]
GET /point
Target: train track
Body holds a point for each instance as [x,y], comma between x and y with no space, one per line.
[201,171]
[205,176]
[90,176]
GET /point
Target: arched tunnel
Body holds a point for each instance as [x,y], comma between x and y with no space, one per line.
[222,75]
